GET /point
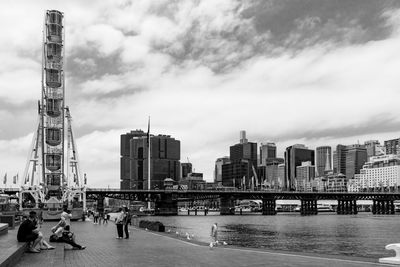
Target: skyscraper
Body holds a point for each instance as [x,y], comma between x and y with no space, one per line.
[218,169]
[374,148]
[186,168]
[348,160]
[294,156]
[267,151]
[323,156]
[243,163]
[164,163]
[392,146]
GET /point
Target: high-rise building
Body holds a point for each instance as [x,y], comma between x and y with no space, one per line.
[272,171]
[356,157]
[392,146]
[186,168]
[125,159]
[267,151]
[323,160]
[374,148]
[348,160]
[218,169]
[164,160]
[294,156]
[243,163]
[305,172]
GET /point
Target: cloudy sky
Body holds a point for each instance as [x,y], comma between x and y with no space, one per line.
[312,72]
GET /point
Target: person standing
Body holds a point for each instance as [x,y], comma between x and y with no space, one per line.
[96,217]
[119,221]
[105,218]
[127,220]
[28,232]
[214,235]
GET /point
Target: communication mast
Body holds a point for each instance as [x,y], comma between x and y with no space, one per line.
[51,176]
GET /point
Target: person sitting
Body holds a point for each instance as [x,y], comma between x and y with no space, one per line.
[66,215]
[28,232]
[43,245]
[62,235]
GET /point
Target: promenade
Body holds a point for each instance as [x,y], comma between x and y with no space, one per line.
[146,248]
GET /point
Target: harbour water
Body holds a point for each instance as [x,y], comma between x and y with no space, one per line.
[362,235]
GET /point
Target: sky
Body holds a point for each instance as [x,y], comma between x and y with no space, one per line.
[286,71]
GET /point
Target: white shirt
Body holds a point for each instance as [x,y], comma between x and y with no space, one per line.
[67,217]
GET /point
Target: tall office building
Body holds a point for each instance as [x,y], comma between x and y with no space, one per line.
[186,168]
[164,160]
[355,159]
[294,156]
[243,163]
[218,169]
[267,151]
[348,160]
[125,159]
[374,148]
[323,160]
[272,171]
[392,146]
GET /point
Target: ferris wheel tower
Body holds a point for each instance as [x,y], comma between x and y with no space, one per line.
[52,174]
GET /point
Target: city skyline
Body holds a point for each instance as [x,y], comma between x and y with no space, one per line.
[285,71]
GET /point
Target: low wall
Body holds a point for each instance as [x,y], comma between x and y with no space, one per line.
[153,226]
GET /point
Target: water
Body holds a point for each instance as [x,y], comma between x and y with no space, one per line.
[362,235]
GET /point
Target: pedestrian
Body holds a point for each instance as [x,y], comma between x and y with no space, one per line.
[28,232]
[127,220]
[119,221]
[214,235]
[95,217]
[100,217]
[66,215]
[105,218]
[61,235]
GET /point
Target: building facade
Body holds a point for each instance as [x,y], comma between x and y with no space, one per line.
[392,146]
[186,168]
[348,160]
[218,169]
[294,156]
[164,161]
[267,151]
[323,160]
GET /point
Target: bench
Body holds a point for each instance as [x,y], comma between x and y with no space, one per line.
[3,228]
[10,249]
[395,259]
[10,219]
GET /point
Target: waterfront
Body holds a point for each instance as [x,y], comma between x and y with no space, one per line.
[362,235]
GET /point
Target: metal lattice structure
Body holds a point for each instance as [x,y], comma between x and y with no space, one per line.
[52,177]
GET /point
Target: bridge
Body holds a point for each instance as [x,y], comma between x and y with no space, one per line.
[166,201]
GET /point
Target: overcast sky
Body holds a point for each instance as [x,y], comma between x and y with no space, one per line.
[312,72]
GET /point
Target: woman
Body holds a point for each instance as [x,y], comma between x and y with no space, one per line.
[63,236]
[43,245]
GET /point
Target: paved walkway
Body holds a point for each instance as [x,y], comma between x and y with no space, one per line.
[146,248]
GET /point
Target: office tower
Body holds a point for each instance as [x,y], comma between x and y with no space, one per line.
[305,172]
[272,171]
[323,160]
[243,163]
[392,146]
[374,148]
[356,156]
[267,151]
[348,160]
[339,159]
[186,168]
[164,160]
[294,156]
[281,175]
[218,169]
[125,159]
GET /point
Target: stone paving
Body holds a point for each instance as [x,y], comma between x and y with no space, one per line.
[146,248]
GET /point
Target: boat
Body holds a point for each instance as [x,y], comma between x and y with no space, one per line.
[320,208]
[243,209]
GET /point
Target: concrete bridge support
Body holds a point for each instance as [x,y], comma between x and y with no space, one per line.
[268,206]
[166,205]
[100,203]
[227,206]
[308,206]
[347,206]
[383,206]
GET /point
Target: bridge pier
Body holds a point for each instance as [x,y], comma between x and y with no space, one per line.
[100,203]
[166,205]
[347,206]
[383,206]
[227,206]
[308,206]
[268,206]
